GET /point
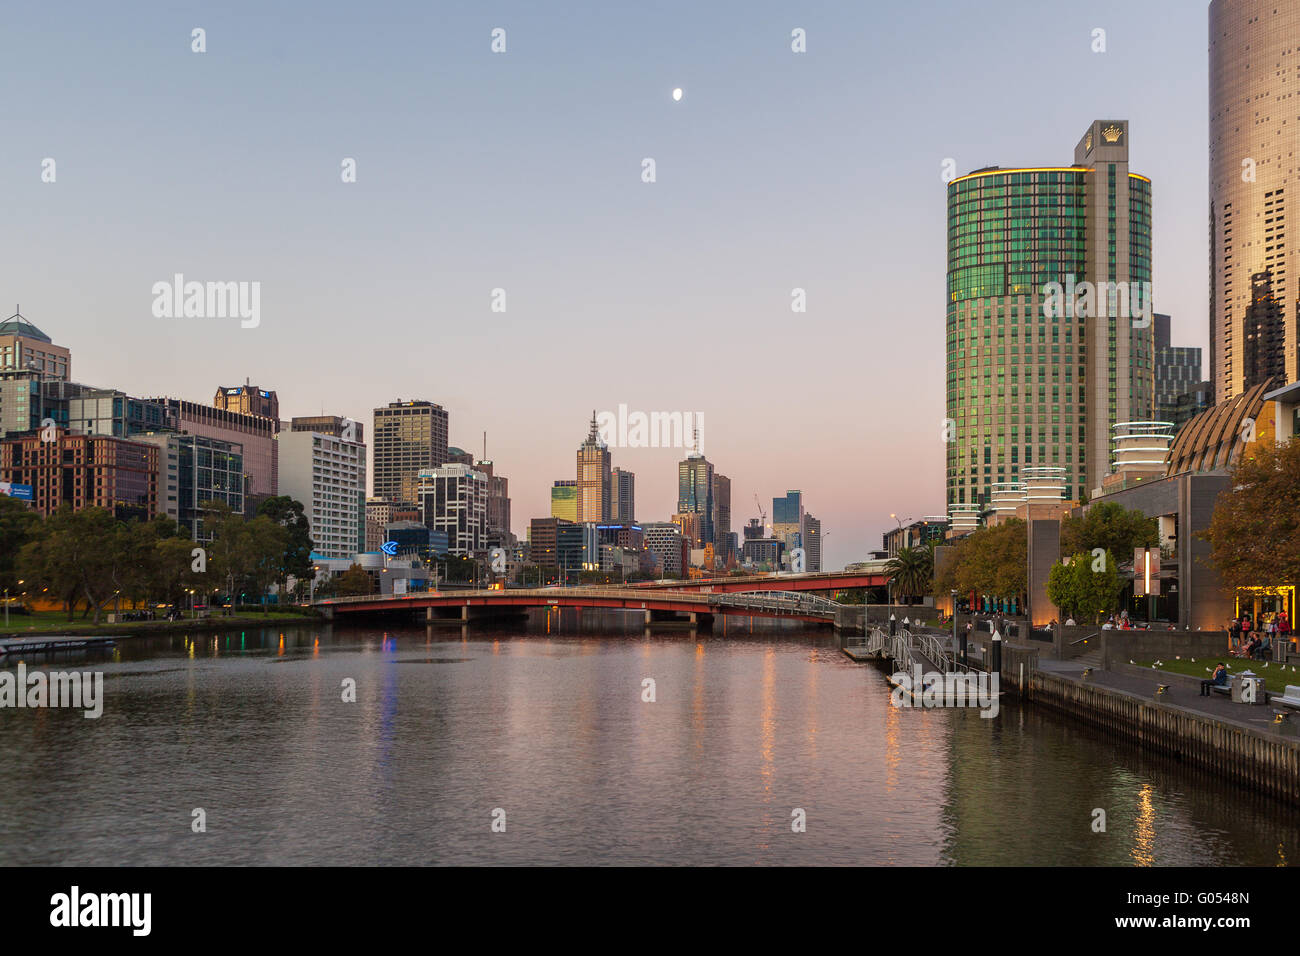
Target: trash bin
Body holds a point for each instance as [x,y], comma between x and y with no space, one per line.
[1247,688]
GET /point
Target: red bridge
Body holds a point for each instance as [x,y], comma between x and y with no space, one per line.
[813,581]
[657,604]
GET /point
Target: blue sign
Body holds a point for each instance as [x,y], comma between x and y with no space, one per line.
[389,548]
[14,490]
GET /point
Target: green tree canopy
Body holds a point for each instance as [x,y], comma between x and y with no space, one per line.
[1111,527]
[992,561]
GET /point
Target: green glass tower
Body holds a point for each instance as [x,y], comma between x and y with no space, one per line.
[1049,331]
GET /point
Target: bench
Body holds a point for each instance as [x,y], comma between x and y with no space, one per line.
[1291,698]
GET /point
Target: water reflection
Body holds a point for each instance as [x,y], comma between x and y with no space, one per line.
[447,725]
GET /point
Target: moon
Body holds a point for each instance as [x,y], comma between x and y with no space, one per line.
[677,93]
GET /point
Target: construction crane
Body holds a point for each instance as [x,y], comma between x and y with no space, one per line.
[762,515]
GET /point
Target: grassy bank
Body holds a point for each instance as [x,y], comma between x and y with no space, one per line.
[1276,676]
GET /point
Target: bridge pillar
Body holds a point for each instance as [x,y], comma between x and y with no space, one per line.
[464,612]
[428,613]
[648,612]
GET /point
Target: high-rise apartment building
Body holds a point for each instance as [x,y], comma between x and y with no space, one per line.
[248,399]
[623,486]
[498,506]
[1254,270]
[695,489]
[1049,319]
[595,491]
[453,499]
[408,437]
[327,474]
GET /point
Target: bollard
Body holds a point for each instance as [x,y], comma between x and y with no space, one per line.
[962,649]
[995,657]
[893,625]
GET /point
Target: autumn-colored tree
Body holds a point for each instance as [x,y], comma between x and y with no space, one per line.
[993,561]
[1254,533]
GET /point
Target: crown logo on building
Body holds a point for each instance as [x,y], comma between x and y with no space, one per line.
[1112,133]
[1087,142]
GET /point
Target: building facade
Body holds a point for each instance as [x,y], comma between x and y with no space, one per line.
[249,400]
[408,437]
[25,347]
[85,471]
[453,499]
[328,476]
[623,486]
[664,540]
[595,485]
[695,488]
[1254,271]
[1049,331]
[564,500]
[194,471]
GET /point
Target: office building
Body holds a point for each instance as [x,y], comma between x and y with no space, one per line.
[498,506]
[1177,372]
[1049,330]
[249,400]
[722,518]
[787,519]
[24,347]
[328,475]
[380,512]
[664,540]
[543,541]
[1254,271]
[623,485]
[408,437]
[193,473]
[336,426]
[564,500]
[595,486]
[453,499]
[695,496]
[256,433]
[812,543]
[84,471]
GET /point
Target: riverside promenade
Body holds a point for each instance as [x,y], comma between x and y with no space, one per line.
[1257,745]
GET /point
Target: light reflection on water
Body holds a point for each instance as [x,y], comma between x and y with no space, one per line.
[551,728]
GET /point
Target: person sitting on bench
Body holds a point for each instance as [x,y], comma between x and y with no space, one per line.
[1219,679]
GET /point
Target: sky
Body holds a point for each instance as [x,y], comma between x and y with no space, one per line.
[523,171]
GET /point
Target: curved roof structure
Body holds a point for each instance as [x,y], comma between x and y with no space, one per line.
[17,325]
[1213,439]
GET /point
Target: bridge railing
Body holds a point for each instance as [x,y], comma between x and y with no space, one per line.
[792,601]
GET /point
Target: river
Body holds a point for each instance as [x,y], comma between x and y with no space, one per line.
[513,746]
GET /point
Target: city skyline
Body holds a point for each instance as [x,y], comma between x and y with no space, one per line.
[762,187]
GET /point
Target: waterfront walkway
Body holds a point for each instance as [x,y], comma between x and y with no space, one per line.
[1183,693]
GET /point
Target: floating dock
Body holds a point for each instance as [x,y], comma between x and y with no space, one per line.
[15,646]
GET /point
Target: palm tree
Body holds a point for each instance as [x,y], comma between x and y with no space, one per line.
[912,571]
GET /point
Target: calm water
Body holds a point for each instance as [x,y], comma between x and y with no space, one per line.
[552,729]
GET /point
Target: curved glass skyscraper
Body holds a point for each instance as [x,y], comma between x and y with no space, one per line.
[1254,151]
[1049,332]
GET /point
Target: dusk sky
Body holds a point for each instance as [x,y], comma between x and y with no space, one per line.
[522,171]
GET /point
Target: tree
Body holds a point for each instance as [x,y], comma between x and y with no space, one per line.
[81,555]
[353,582]
[992,561]
[18,525]
[1111,527]
[296,560]
[912,571]
[1086,586]
[1254,533]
